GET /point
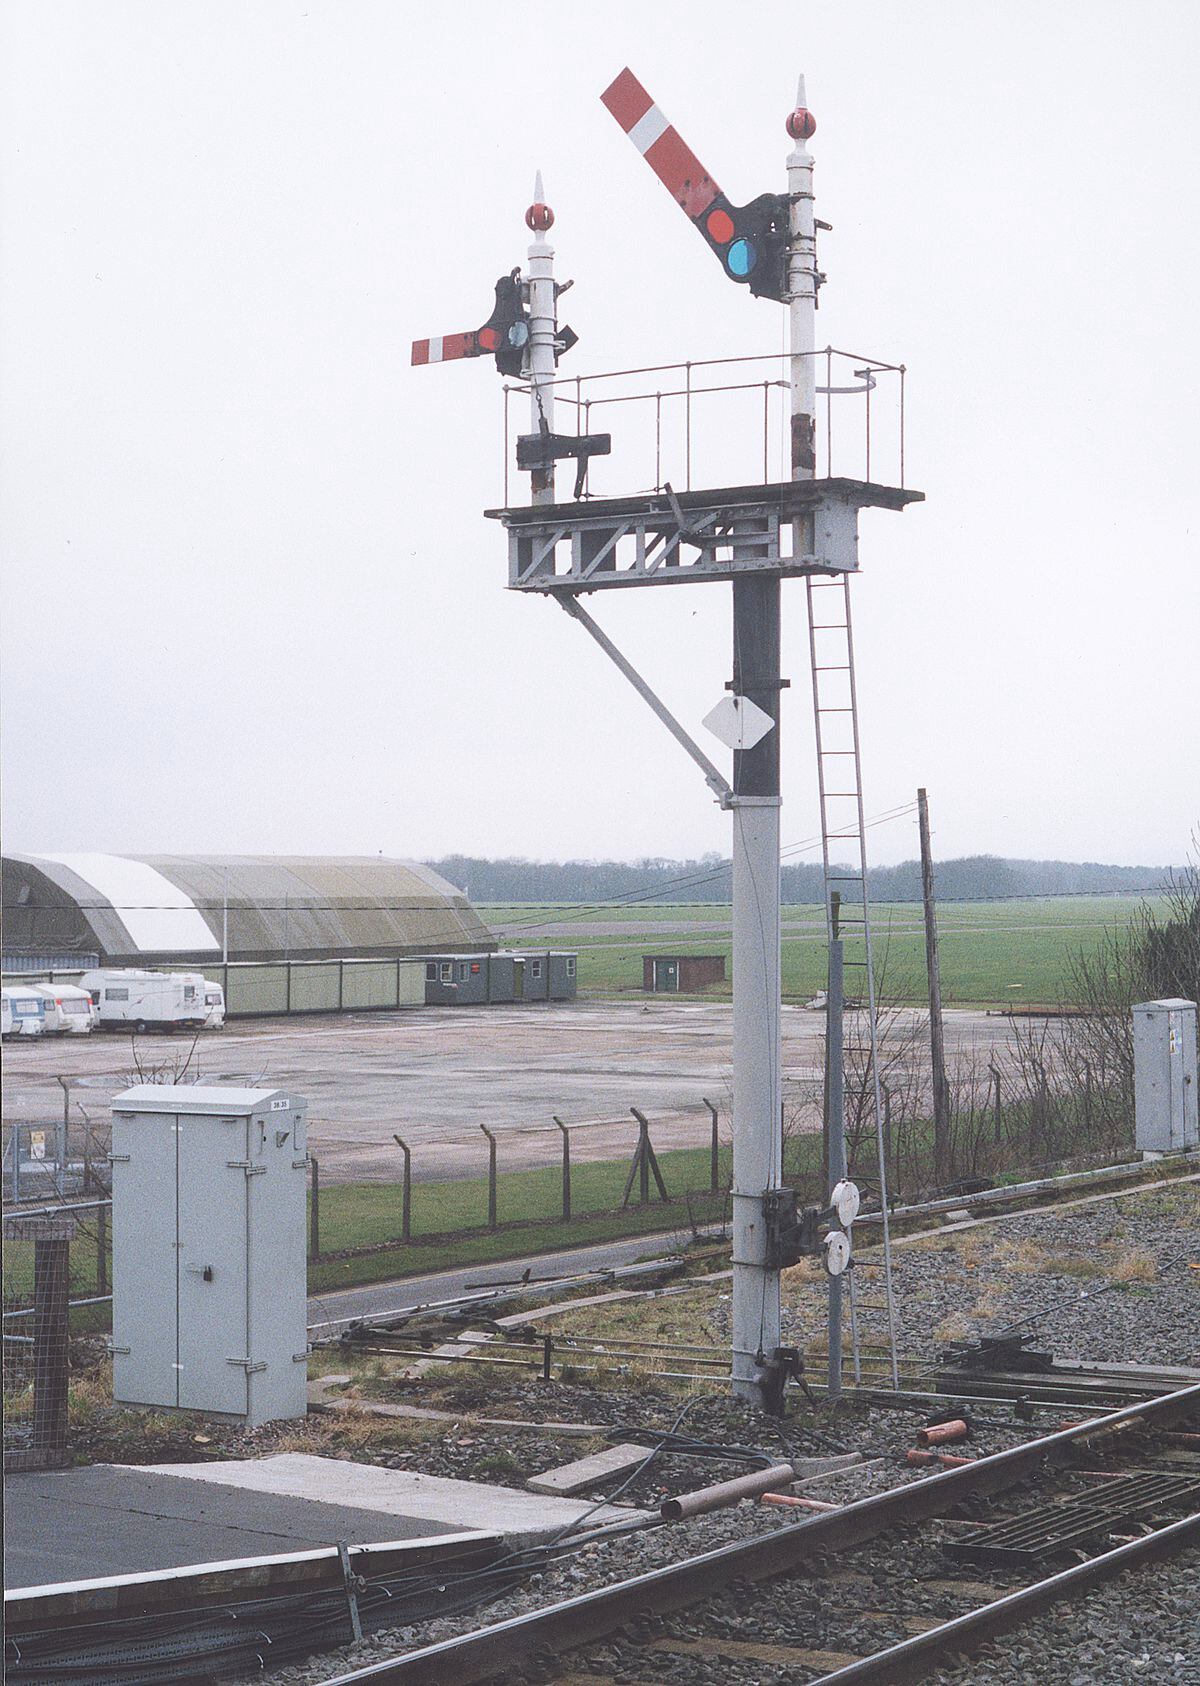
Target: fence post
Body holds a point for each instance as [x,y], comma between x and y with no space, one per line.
[996,1129]
[491,1176]
[314,1210]
[406,1199]
[566,1169]
[51,1237]
[714,1150]
[102,1250]
[51,1275]
[1087,1097]
[649,1160]
[889,1158]
[64,1145]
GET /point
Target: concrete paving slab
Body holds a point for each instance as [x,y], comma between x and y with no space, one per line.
[585,1473]
[110,1519]
[519,1516]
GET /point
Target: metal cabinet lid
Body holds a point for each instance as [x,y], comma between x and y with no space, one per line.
[223,1100]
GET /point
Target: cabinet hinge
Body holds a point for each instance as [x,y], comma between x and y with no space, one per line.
[246,1364]
[118,1158]
[250,1169]
[124,1351]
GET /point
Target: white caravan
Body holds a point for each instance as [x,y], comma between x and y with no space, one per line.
[128,998]
[68,1009]
[24,1012]
[214,1000]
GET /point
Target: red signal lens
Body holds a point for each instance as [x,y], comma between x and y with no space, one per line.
[489,339]
[720,226]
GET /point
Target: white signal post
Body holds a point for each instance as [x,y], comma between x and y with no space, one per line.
[543,328]
[757,980]
[802,288]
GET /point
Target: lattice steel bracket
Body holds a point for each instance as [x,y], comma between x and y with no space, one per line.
[662,538]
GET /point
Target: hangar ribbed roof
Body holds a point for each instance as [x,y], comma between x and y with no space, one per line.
[302,906]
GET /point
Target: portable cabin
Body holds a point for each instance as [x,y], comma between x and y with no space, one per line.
[68,1009]
[456,980]
[24,1011]
[562,978]
[501,978]
[669,974]
[531,977]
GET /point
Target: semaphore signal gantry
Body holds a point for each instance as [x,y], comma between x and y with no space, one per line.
[754,534]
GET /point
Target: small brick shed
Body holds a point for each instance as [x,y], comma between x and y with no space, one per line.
[671,973]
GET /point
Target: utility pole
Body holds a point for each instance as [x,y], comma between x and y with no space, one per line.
[937,1045]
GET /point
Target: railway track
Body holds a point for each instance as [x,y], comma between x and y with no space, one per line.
[882,1590]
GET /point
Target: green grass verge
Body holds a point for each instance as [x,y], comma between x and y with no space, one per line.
[453,1216]
[991,952]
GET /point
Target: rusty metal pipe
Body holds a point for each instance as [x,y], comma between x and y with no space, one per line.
[938,1433]
[727,1492]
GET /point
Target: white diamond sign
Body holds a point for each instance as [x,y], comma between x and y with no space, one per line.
[738,722]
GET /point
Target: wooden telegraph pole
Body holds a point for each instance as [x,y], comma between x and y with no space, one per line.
[937,1043]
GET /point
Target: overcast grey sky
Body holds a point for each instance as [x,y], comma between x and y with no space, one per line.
[251,604]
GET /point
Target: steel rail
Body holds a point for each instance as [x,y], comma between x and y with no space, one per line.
[912,1659]
[588,1617]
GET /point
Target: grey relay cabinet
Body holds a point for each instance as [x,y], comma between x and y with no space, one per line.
[209,1286]
[1164,1075]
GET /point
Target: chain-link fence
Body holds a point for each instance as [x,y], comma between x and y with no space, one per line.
[54,1159]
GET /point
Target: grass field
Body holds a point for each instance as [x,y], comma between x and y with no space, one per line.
[991,952]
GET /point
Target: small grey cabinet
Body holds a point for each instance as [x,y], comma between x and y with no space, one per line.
[1164,1075]
[209,1267]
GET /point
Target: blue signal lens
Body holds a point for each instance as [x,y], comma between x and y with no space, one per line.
[518,334]
[741,257]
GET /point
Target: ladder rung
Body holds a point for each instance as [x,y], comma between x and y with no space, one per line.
[841,668]
[843,793]
[831,626]
[839,752]
[845,877]
[838,710]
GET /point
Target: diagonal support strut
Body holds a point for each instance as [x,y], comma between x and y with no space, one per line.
[713,777]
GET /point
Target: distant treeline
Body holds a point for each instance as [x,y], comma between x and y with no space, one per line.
[971,878]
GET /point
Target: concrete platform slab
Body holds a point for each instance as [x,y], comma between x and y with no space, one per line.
[109,1519]
[519,1516]
[585,1473]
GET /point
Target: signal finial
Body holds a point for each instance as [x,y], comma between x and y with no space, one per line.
[539,217]
[801,124]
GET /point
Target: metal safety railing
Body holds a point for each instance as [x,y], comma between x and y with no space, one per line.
[691,429]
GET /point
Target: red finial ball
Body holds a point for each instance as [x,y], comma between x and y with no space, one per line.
[801,125]
[539,218]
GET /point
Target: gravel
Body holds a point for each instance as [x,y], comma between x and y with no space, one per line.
[1146,1625]
[975,1280]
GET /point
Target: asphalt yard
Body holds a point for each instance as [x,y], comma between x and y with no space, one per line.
[435,1075]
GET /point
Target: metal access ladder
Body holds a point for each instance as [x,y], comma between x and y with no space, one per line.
[843,831]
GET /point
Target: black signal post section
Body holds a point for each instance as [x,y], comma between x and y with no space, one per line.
[756,660]
[751,240]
